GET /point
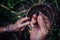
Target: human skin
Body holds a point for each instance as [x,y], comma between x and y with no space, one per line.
[19,25]
[40,31]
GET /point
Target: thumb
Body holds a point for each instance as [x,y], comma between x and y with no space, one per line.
[41,23]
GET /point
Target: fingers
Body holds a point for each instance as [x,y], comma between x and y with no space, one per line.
[32,25]
[41,23]
[19,23]
[23,19]
[47,22]
[22,29]
[45,17]
[23,24]
[33,20]
[18,26]
[34,16]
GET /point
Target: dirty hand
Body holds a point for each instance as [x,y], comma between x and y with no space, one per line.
[42,28]
[21,23]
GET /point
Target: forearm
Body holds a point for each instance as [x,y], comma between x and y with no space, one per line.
[7,28]
[13,27]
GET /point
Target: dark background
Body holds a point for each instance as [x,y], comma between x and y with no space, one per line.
[11,10]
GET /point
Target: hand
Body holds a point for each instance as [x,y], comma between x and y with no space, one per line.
[21,23]
[40,30]
[44,24]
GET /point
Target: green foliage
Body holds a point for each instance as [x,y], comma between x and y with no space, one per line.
[6,17]
[18,6]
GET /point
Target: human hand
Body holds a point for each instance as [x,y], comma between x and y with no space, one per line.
[20,24]
[40,30]
[44,24]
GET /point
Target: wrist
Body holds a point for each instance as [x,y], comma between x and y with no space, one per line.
[8,28]
[11,27]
